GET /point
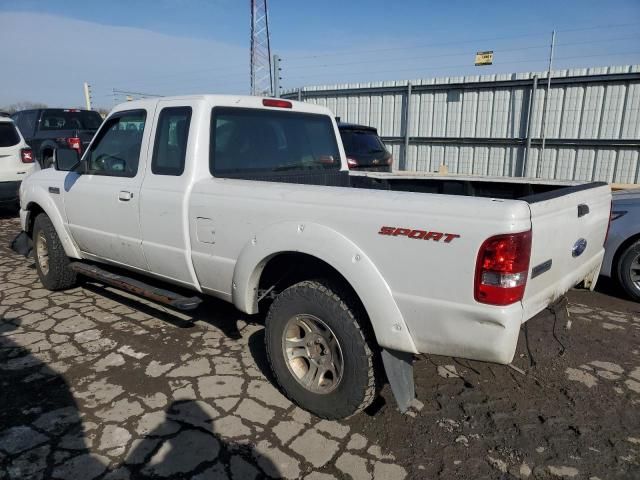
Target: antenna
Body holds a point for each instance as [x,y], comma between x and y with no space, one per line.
[261,79]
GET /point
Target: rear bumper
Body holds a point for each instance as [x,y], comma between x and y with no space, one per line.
[9,191]
[478,332]
[481,332]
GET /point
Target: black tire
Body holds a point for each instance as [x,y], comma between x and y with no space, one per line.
[357,387]
[57,275]
[628,270]
[46,159]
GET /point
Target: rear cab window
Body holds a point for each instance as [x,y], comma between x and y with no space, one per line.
[170,145]
[361,142]
[253,141]
[9,136]
[70,120]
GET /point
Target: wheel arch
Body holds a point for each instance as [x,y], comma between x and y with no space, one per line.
[45,205]
[328,249]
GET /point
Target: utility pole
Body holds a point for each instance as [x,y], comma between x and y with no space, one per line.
[543,128]
[276,76]
[87,95]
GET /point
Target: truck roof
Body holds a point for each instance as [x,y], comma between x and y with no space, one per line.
[241,101]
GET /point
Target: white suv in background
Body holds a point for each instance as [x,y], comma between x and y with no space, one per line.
[16,161]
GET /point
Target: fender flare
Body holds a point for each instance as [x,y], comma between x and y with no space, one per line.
[37,196]
[336,250]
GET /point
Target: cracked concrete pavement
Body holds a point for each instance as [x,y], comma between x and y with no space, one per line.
[95,383]
[102,389]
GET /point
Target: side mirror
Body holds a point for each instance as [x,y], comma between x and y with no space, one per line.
[65,159]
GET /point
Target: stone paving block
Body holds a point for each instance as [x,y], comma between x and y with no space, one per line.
[319,476]
[18,439]
[86,467]
[183,453]
[197,413]
[55,421]
[230,427]
[30,465]
[354,466]
[388,471]
[156,424]
[334,429]
[193,368]
[356,442]
[254,412]
[227,403]
[74,325]
[315,448]
[140,450]
[242,470]
[267,393]
[111,360]
[275,463]
[286,430]
[114,436]
[120,411]
[156,400]
[220,386]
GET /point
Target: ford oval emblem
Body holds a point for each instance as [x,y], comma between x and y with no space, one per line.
[579,247]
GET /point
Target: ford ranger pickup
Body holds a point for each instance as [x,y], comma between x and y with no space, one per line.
[250,200]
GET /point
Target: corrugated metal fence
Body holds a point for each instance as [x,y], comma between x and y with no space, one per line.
[483,124]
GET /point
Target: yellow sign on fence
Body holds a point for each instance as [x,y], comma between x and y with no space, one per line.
[484,58]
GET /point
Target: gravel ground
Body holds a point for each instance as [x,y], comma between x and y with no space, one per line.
[98,384]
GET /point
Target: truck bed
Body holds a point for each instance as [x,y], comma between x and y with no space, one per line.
[506,188]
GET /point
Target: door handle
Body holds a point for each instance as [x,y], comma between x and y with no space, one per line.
[125,196]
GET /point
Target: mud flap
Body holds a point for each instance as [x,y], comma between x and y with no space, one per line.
[22,244]
[399,368]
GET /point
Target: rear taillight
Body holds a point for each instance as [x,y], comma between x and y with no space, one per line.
[26,155]
[502,268]
[352,162]
[75,144]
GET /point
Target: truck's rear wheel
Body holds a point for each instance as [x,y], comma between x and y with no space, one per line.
[318,351]
[629,270]
[52,262]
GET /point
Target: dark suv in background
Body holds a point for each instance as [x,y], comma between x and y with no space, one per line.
[364,148]
[46,129]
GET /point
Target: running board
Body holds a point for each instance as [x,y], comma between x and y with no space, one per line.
[136,287]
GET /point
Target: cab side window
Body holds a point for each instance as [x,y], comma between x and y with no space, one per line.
[170,146]
[116,150]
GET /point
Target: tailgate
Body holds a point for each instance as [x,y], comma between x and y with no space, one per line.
[568,226]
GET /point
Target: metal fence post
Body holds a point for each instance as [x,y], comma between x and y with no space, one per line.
[532,101]
[407,127]
[299,94]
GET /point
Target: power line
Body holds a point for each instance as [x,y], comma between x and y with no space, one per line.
[444,67]
[459,42]
[442,55]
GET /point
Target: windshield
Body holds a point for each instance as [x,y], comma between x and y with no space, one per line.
[70,120]
[8,135]
[265,140]
[361,142]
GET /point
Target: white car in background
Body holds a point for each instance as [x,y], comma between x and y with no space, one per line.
[622,258]
[16,161]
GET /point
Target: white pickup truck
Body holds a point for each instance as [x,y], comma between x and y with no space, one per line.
[250,200]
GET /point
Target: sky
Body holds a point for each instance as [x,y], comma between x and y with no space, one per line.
[170,47]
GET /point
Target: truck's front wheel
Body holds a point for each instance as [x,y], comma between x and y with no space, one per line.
[318,351]
[52,262]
